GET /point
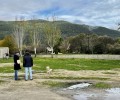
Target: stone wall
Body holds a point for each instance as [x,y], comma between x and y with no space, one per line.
[86,56]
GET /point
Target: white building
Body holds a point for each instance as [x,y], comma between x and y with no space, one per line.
[3,52]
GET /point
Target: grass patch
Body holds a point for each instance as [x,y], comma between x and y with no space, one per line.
[75,78]
[1,81]
[101,85]
[6,60]
[109,73]
[54,84]
[75,64]
[67,64]
[9,69]
[6,70]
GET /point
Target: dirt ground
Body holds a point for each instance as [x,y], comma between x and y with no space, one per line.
[35,90]
[27,90]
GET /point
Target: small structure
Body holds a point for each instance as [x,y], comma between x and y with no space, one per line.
[49,49]
[4,52]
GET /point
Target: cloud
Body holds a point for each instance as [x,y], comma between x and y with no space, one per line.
[91,12]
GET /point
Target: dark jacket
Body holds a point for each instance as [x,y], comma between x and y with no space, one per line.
[16,65]
[27,60]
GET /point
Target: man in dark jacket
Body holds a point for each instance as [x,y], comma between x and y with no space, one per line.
[27,64]
[16,65]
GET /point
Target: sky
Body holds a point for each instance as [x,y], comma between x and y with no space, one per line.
[104,13]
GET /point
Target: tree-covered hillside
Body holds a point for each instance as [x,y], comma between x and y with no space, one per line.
[106,31]
[71,29]
[5,28]
[67,29]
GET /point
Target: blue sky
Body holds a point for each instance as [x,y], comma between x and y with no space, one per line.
[91,12]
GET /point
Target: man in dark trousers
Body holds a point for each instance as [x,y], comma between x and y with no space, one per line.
[16,65]
[27,64]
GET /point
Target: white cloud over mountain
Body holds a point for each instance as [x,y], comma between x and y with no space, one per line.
[92,12]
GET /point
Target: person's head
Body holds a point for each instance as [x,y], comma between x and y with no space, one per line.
[17,53]
[26,50]
[27,53]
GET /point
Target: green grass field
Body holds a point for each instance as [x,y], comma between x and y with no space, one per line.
[76,64]
[68,64]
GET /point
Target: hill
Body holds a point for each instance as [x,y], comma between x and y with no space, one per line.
[71,29]
[5,28]
[67,29]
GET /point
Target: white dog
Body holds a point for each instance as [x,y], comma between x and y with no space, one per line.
[48,70]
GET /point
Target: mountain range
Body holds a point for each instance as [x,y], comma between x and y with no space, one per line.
[67,29]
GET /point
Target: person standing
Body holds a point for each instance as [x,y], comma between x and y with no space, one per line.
[16,65]
[27,64]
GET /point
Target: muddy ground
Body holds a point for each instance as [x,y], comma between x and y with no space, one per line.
[36,90]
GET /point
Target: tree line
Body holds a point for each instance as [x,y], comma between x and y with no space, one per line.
[46,36]
[94,44]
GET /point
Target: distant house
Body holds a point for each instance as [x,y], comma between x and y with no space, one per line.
[4,52]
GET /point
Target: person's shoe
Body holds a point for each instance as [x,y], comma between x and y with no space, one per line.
[31,79]
[18,79]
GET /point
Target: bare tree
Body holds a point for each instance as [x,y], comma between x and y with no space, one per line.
[35,29]
[52,33]
[19,33]
[65,45]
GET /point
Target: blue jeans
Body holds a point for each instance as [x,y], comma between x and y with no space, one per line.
[16,75]
[28,71]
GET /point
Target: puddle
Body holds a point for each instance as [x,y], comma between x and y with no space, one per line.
[78,86]
[109,94]
[80,91]
[113,94]
[114,90]
[88,96]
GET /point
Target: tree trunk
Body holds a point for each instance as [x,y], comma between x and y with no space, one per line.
[35,51]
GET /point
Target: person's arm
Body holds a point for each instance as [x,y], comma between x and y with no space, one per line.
[15,59]
[31,61]
[23,61]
